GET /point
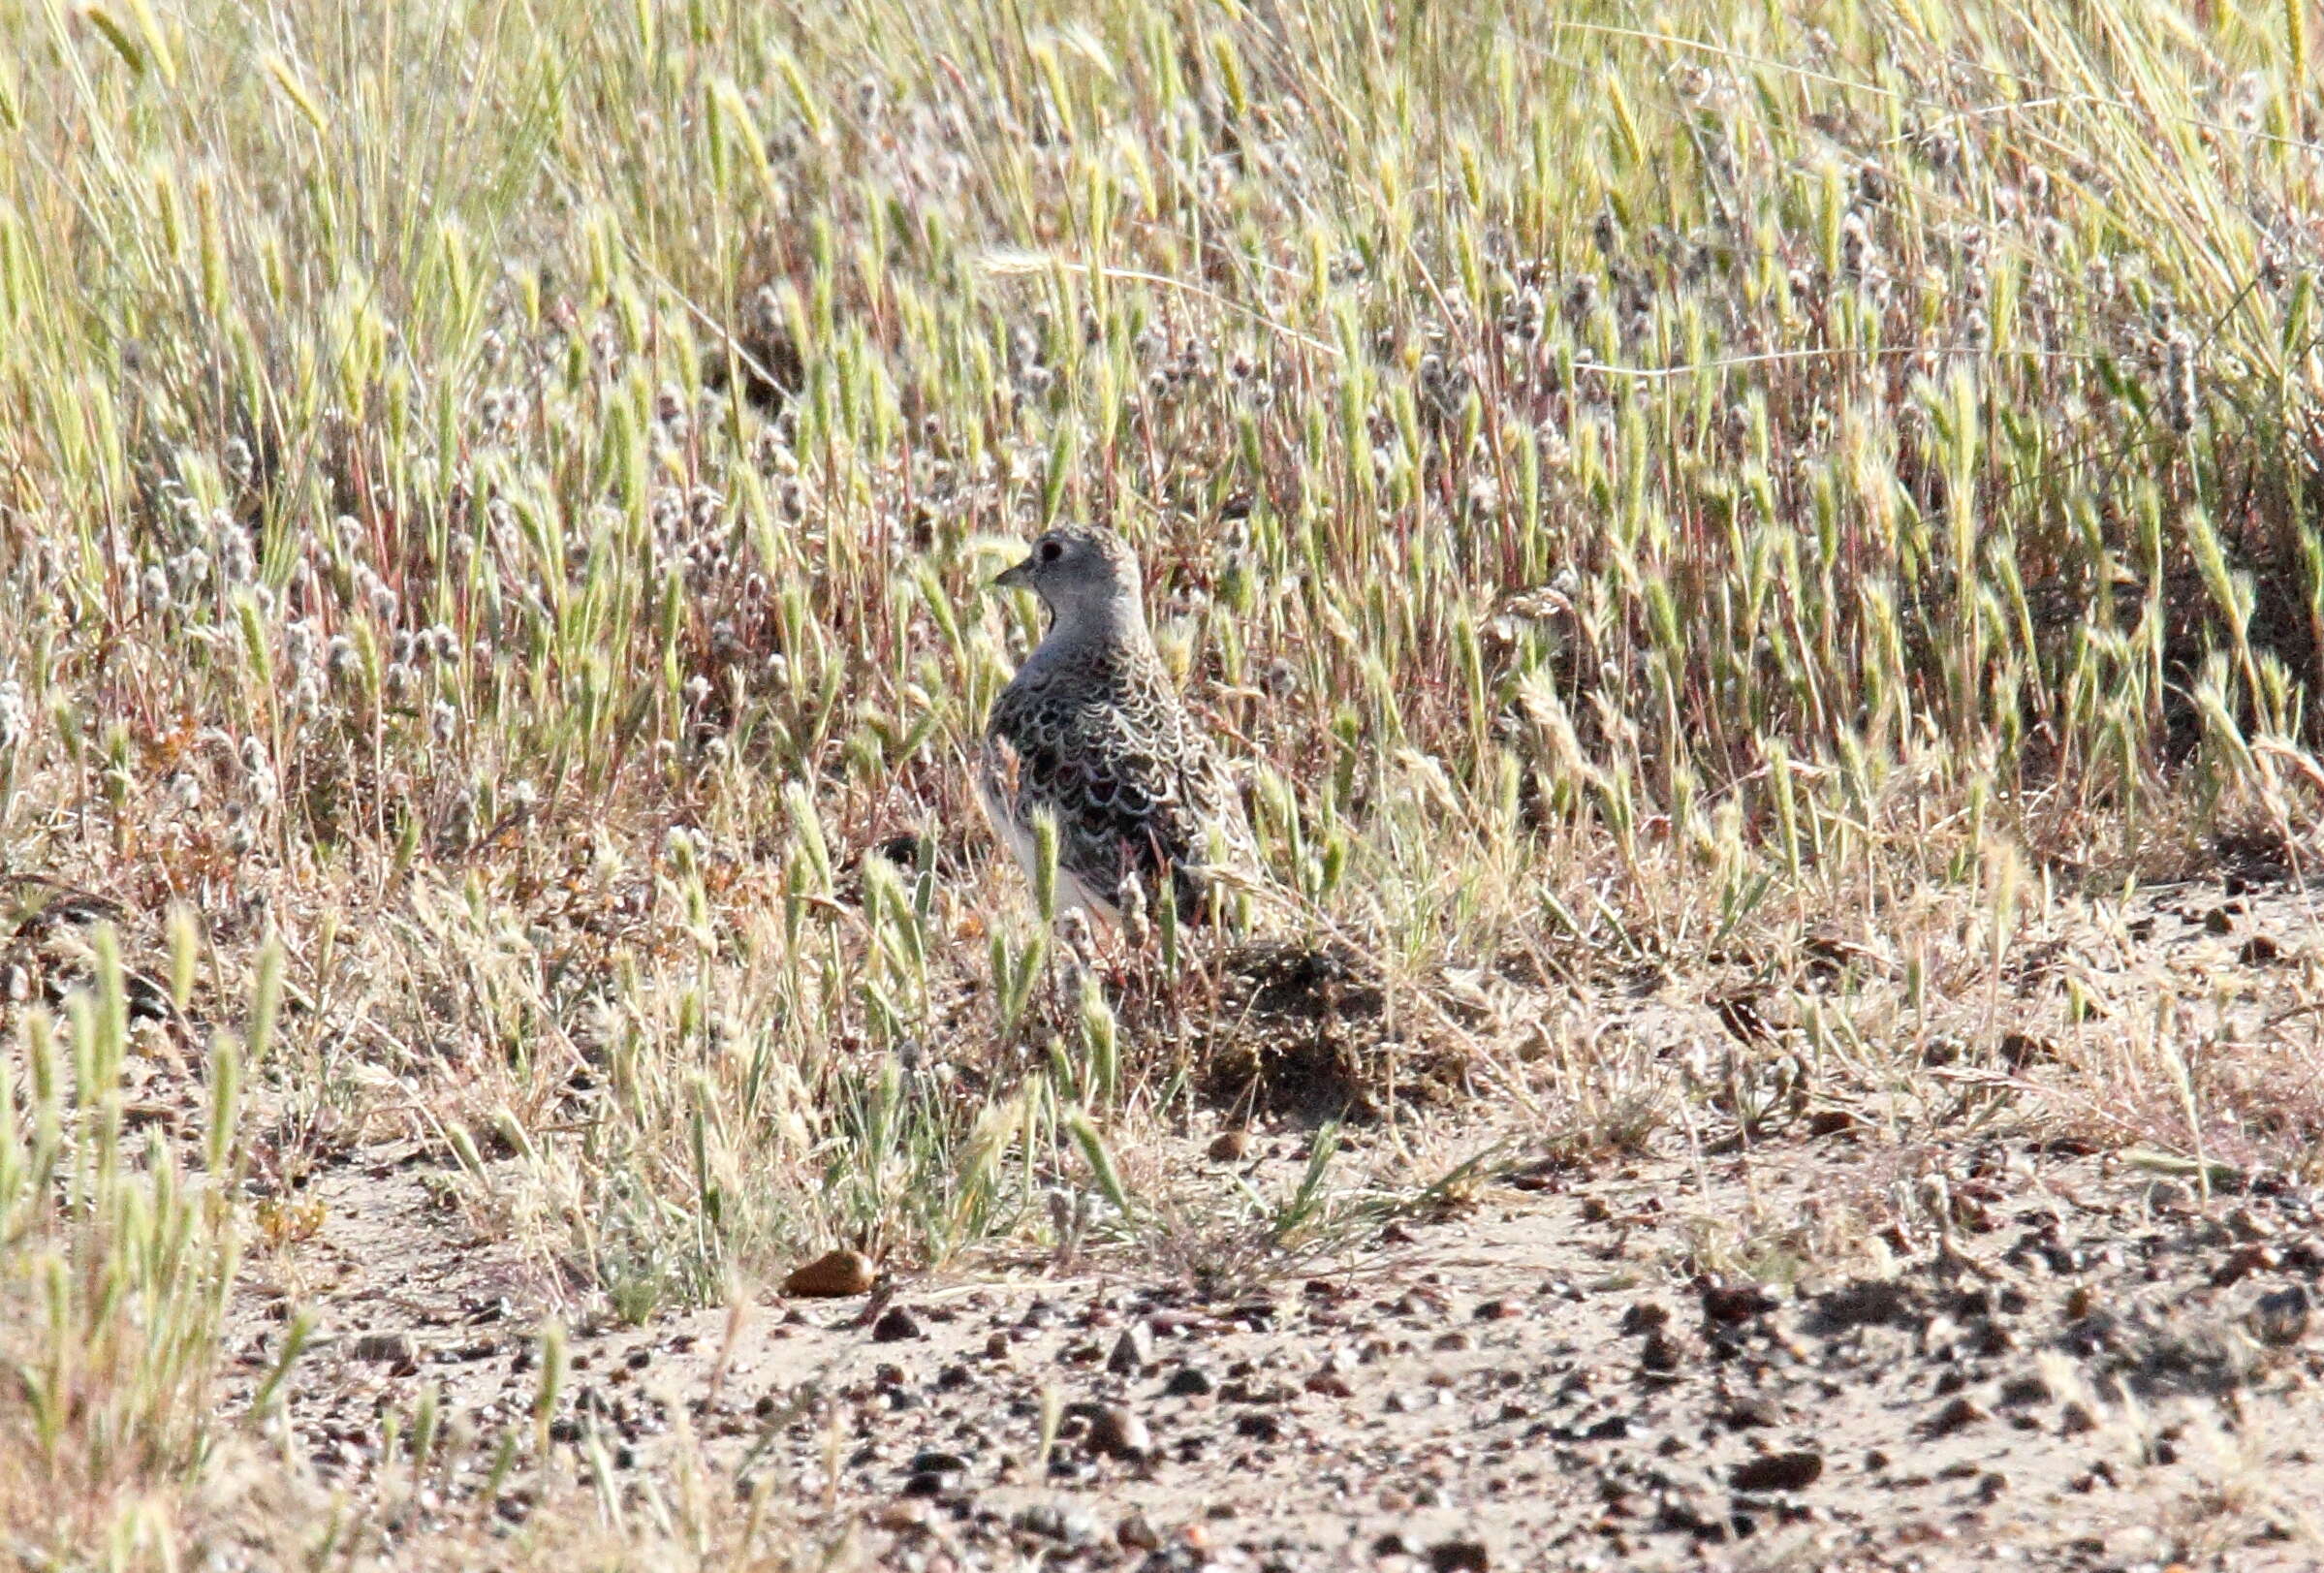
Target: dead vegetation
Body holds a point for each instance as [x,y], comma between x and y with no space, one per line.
[1758,564]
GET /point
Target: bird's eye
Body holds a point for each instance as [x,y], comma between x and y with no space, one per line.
[1050,552]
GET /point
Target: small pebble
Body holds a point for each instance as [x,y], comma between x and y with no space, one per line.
[1777,1471]
[896,1324]
[1460,1555]
[1188,1382]
[2281,1319]
[1116,1432]
[831,1275]
[1133,1351]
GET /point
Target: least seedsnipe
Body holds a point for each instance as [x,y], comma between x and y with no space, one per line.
[1091,732]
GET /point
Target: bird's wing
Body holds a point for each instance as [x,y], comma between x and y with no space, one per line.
[1133,782]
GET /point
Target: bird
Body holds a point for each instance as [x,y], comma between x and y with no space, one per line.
[1091,732]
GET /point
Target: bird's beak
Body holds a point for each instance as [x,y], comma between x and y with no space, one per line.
[1018,578]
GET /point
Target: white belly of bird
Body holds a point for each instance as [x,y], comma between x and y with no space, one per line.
[1071,892]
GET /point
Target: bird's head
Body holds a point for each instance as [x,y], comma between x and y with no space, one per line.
[1085,574]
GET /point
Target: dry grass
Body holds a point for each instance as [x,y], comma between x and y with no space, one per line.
[1802,502]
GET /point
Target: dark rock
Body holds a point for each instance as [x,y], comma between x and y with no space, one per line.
[2281,1319]
[1727,1303]
[386,1348]
[2021,1391]
[1691,1511]
[1187,1382]
[1777,1471]
[2020,1049]
[1660,1354]
[1132,1352]
[1865,1302]
[1260,1426]
[1116,1432]
[1460,1556]
[1956,1416]
[896,1324]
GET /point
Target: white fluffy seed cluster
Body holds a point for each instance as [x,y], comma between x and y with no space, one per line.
[14,723]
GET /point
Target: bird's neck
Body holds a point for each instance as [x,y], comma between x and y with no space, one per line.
[1116,625]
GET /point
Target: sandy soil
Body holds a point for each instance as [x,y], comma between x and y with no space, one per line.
[2047,1355]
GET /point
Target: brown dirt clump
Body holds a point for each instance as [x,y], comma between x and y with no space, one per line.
[1312,1028]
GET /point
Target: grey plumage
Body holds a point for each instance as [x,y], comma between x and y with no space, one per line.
[1092,731]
